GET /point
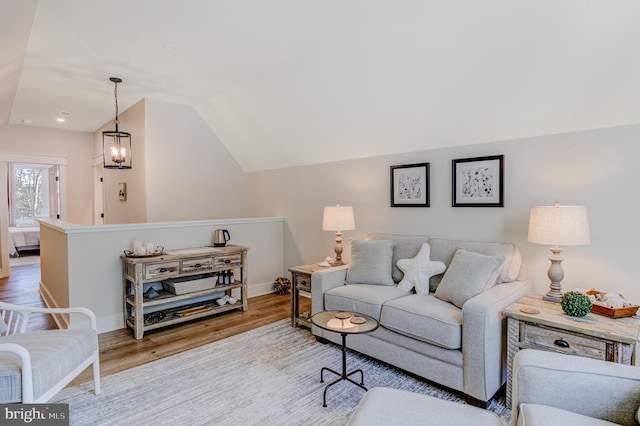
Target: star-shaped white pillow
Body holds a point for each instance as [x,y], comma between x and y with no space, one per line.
[418,270]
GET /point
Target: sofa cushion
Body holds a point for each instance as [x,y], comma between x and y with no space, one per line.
[444,250]
[54,354]
[371,262]
[418,270]
[365,299]
[543,415]
[425,318]
[468,275]
[406,247]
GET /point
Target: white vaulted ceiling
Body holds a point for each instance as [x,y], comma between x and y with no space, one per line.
[293,82]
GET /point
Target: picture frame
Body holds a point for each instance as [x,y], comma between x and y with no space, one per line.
[478,182]
[410,185]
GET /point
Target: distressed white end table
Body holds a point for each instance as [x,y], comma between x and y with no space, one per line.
[592,336]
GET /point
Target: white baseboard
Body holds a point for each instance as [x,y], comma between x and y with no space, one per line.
[61,320]
[261,289]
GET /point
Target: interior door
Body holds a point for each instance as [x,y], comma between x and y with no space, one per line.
[98,195]
[4,222]
[54,192]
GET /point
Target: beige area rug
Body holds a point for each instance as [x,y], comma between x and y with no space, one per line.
[267,376]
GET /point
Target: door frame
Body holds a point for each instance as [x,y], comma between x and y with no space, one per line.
[5,159]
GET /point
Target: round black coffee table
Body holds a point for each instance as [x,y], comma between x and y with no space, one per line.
[344,323]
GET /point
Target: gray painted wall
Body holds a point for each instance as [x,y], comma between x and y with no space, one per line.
[595,168]
[190,175]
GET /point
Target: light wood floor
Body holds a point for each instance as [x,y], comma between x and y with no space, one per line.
[119,350]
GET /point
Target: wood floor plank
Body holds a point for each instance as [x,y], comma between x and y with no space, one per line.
[120,351]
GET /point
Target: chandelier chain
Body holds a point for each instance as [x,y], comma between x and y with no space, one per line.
[115,94]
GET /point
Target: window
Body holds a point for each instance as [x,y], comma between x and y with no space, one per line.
[29,188]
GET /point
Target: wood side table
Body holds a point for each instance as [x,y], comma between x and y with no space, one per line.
[593,336]
[301,282]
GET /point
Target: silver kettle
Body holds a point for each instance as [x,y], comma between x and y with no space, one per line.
[220,237]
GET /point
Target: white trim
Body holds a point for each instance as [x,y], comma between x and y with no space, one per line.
[61,320]
[14,157]
[260,289]
[71,228]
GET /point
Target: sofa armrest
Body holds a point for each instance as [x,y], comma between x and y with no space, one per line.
[322,281]
[594,388]
[484,338]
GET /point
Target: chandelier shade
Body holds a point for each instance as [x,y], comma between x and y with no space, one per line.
[116,145]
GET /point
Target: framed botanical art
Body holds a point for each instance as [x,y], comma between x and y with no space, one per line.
[478,182]
[410,185]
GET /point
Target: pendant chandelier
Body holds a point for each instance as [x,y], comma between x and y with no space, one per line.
[116,145]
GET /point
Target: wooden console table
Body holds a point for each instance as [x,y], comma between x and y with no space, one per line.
[197,270]
[593,336]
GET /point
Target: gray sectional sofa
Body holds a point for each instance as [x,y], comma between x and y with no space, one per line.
[448,329]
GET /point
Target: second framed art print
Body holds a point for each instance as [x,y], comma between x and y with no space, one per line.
[478,182]
[410,185]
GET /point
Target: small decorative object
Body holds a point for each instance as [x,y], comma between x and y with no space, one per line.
[151,293]
[144,249]
[576,304]
[478,182]
[358,320]
[342,321]
[611,305]
[410,185]
[282,285]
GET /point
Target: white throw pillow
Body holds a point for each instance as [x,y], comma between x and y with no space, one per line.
[371,262]
[405,247]
[468,275]
[418,270]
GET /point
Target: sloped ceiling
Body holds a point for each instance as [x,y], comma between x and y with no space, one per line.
[293,82]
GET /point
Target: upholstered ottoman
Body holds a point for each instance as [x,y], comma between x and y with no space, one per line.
[385,406]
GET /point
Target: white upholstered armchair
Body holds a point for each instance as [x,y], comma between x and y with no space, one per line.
[558,389]
[34,366]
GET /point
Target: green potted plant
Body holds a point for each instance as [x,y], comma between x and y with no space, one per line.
[575,304]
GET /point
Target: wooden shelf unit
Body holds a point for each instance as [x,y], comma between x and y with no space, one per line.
[140,273]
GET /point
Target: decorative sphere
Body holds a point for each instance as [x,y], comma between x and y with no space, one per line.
[575,304]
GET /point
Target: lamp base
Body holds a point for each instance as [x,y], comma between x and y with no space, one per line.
[554,299]
[338,249]
[555,274]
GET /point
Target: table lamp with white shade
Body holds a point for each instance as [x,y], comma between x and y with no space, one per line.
[558,226]
[338,218]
